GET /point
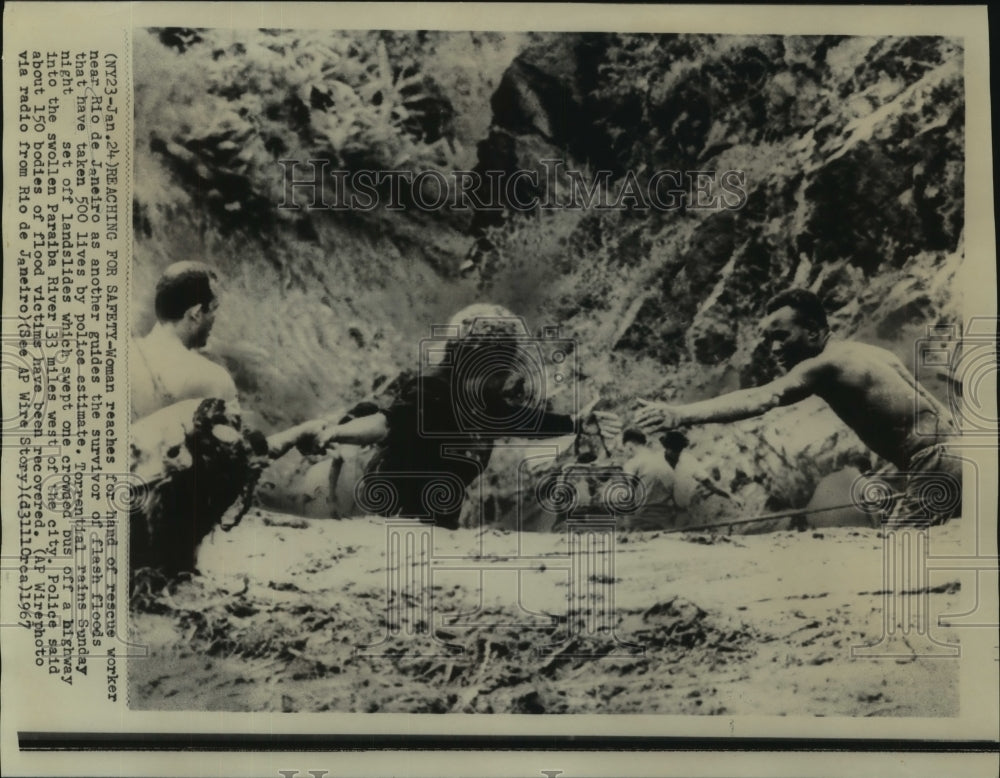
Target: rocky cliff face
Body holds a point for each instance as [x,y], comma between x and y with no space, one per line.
[321,303]
[848,152]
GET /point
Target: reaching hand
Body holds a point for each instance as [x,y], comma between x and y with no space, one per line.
[328,436]
[610,425]
[309,440]
[657,417]
[587,410]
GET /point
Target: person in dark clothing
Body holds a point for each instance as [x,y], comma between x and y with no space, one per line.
[435,431]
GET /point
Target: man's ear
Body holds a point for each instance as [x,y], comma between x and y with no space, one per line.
[818,337]
[193,313]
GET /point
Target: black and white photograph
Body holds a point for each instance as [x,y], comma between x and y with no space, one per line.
[541,373]
[535,381]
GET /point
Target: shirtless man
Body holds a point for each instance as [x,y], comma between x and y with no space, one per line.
[165,365]
[190,445]
[166,368]
[866,386]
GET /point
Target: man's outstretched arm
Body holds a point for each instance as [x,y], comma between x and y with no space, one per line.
[361,431]
[314,436]
[304,435]
[799,383]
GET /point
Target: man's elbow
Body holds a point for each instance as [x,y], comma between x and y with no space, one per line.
[774,400]
[227,393]
[754,403]
[225,386]
[790,395]
[221,390]
[380,428]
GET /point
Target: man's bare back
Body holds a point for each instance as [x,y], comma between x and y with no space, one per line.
[164,372]
[868,387]
[874,394]
[165,365]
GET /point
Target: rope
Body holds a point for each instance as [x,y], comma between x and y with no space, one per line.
[769,516]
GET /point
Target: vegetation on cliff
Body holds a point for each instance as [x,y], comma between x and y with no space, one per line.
[850,151]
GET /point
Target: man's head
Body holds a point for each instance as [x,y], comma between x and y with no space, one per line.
[186,301]
[674,442]
[633,439]
[796,327]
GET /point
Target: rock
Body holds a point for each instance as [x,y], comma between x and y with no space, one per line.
[835,490]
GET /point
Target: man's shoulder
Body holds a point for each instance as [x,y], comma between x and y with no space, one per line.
[141,347]
[210,366]
[835,356]
[850,350]
[210,374]
[852,357]
[209,363]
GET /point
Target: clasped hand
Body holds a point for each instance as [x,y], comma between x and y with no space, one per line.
[657,417]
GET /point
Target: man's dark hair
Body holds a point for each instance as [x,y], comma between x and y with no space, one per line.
[807,306]
[632,435]
[674,441]
[178,290]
